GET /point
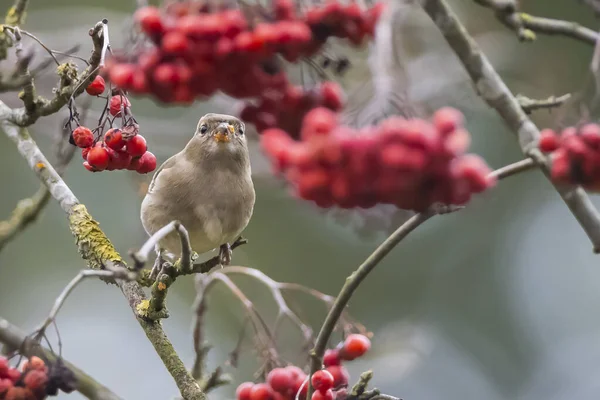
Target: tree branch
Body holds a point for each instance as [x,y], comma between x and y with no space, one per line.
[352,283]
[525,25]
[495,92]
[16,339]
[71,85]
[99,252]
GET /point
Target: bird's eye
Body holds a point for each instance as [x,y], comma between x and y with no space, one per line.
[241,130]
[203,129]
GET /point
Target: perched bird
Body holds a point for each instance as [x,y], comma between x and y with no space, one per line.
[207,187]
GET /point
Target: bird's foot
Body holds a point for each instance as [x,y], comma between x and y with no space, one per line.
[225,254]
[158,265]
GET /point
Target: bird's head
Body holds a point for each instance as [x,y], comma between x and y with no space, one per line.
[219,135]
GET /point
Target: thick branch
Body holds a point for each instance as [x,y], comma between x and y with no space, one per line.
[15,339]
[525,25]
[495,92]
[352,283]
[98,251]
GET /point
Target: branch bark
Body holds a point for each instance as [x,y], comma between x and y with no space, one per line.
[14,338]
[494,91]
[98,251]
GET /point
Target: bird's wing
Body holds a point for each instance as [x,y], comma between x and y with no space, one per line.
[166,165]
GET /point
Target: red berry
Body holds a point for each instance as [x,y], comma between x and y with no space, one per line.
[322,380]
[340,375]
[243,391]
[280,379]
[324,395]
[355,346]
[261,391]
[84,153]
[331,357]
[19,393]
[35,363]
[35,380]
[115,104]
[13,374]
[114,139]
[150,20]
[96,87]
[136,146]
[5,384]
[590,133]
[332,95]
[549,141]
[4,366]
[447,119]
[318,122]
[83,137]
[146,163]
[457,142]
[175,43]
[98,158]
[89,167]
[119,159]
[300,387]
[561,166]
[122,75]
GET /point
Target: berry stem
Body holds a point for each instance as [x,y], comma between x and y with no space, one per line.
[494,91]
[352,283]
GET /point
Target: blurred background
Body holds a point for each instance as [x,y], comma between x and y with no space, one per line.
[498,301]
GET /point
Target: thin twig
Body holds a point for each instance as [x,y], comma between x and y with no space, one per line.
[525,25]
[529,105]
[24,117]
[514,168]
[494,91]
[117,273]
[352,283]
[16,339]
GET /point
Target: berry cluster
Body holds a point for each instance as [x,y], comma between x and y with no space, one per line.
[575,154]
[197,49]
[286,109]
[409,163]
[289,383]
[29,383]
[120,148]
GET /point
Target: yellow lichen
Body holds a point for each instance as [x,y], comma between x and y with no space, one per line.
[161,286]
[40,165]
[142,308]
[14,17]
[93,244]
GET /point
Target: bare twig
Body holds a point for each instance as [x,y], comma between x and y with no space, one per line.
[352,283]
[16,339]
[26,211]
[115,273]
[514,168]
[494,91]
[529,105]
[525,25]
[99,252]
[68,89]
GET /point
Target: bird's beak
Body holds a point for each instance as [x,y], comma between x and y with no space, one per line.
[223,132]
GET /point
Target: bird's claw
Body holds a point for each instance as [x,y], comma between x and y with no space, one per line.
[225,254]
[156,267]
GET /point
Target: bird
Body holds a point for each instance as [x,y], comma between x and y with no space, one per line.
[207,187]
